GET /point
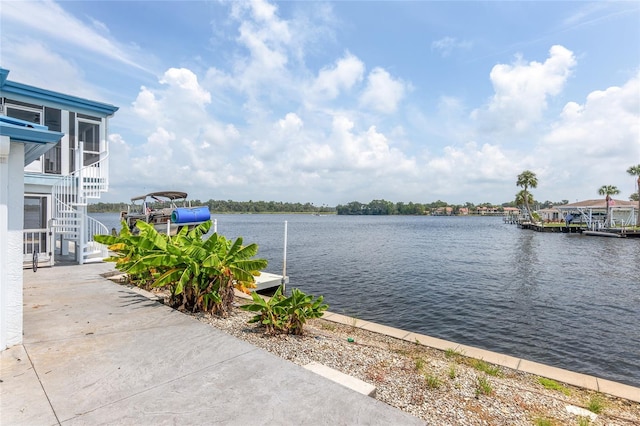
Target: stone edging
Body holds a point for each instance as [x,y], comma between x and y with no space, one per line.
[585,381]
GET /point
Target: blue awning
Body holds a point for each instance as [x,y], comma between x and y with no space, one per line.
[36,138]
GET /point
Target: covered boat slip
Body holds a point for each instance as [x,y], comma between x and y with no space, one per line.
[167,211]
[596,215]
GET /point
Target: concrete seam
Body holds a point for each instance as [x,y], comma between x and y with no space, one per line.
[53,410]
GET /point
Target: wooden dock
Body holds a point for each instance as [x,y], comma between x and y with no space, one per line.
[623,233]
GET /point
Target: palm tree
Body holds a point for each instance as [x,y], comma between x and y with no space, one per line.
[635,171]
[523,198]
[526,180]
[608,190]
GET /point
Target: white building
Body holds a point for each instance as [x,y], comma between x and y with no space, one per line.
[53,160]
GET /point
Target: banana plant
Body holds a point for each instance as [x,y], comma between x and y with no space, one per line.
[301,307]
[282,314]
[200,273]
[234,267]
[270,313]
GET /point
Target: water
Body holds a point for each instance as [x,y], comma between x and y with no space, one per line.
[565,300]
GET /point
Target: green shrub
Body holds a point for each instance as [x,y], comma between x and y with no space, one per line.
[201,274]
[282,314]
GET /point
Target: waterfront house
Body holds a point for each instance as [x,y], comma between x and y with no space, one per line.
[20,143]
[53,160]
[511,211]
[550,215]
[443,211]
[59,184]
[593,212]
[491,211]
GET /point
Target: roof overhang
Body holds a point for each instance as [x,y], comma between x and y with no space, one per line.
[36,139]
[28,93]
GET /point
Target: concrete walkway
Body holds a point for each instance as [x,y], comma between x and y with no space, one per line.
[95,352]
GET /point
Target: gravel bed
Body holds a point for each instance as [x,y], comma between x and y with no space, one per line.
[442,388]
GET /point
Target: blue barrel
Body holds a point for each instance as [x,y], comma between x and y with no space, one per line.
[190,214]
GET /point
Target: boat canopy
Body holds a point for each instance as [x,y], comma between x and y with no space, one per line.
[171,195]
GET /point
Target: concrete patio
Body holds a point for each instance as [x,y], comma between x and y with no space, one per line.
[96,352]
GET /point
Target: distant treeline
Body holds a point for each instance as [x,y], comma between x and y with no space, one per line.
[375,207]
[384,207]
[228,206]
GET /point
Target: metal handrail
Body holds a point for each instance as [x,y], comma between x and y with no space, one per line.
[73,190]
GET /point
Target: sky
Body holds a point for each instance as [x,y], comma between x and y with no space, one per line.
[333,102]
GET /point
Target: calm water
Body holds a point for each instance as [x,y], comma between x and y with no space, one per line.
[561,299]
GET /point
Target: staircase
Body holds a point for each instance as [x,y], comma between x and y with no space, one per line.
[70,219]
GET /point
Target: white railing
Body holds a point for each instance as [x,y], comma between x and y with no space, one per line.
[94,183]
[70,196]
[36,241]
[95,227]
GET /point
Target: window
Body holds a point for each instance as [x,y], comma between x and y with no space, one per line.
[89,133]
[35,224]
[29,114]
[53,157]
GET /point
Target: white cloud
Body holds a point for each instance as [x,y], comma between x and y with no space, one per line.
[383,93]
[284,110]
[522,90]
[28,57]
[596,141]
[187,82]
[447,45]
[49,18]
[342,76]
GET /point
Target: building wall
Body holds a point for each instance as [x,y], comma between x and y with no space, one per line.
[11,224]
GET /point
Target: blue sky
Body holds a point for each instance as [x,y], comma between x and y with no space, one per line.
[331,102]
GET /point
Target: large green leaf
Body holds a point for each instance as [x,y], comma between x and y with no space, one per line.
[169,277]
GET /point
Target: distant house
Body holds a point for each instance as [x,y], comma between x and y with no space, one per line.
[550,215]
[463,211]
[443,211]
[511,211]
[483,210]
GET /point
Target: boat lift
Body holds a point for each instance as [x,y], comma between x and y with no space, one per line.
[594,217]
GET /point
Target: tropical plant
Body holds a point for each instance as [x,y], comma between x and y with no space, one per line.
[635,171]
[270,314]
[527,179]
[200,273]
[282,314]
[524,198]
[608,190]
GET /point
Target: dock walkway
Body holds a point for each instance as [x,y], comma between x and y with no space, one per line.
[95,352]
